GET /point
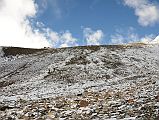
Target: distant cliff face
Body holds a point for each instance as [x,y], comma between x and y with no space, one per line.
[31,74]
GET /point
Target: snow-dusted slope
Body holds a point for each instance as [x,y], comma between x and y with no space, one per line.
[48,73]
[1,51]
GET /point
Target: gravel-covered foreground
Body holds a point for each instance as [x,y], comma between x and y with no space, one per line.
[138,101]
[82,83]
[87,106]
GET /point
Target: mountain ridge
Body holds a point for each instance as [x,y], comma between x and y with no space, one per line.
[43,74]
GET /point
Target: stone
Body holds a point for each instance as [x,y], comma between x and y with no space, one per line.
[83,103]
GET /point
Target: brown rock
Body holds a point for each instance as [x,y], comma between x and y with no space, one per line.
[157,98]
[130,101]
[83,103]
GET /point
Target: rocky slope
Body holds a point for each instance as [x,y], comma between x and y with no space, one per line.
[83,83]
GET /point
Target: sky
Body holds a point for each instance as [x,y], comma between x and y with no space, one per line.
[65,23]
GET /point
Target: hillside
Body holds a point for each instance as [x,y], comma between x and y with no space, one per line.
[83,83]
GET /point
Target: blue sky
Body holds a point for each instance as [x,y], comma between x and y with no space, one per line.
[63,23]
[106,15]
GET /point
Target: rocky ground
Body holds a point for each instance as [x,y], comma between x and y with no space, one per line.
[81,83]
[106,104]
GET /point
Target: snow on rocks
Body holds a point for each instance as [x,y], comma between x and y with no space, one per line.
[93,82]
[1,51]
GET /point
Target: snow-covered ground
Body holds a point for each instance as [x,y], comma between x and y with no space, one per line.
[132,70]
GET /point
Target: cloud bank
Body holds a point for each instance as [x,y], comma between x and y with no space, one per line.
[16,27]
[92,37]
[147,12]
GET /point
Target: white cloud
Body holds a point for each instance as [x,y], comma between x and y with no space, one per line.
[117,39]
[156,40]
[68,40]
[54,37]
[16,28]
[147,12]
[93,37]
[121,39]
[122,36]
[63,39]
[64,45]
[147,39]
[129,36]
[151,39]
